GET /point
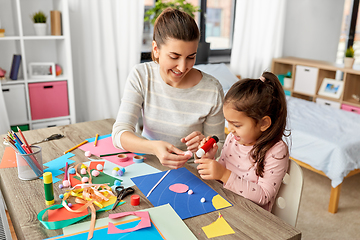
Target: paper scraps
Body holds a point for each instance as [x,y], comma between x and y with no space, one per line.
[218,228]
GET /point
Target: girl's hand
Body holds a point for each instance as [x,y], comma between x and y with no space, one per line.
[169,155]
[193,140]
[210,169]
[212,152]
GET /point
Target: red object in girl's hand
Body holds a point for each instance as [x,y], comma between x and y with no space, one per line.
[207,146]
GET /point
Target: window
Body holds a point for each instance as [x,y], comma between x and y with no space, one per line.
[350,35]
[218,27]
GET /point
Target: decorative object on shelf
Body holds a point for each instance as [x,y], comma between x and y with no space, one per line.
[58,69]
[2,73]
[356,97]
[15,66]
[331,88]
[2,31]
[349,58]
[55,18]
[42,70]
[39,19]
[288,80]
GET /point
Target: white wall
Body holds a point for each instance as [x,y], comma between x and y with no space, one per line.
[312,29]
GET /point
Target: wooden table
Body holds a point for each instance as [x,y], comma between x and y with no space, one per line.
[25,199]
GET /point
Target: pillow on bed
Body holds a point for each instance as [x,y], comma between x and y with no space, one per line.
[221,72]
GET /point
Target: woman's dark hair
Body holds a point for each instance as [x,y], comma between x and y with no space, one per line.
[176,24]
[257,99]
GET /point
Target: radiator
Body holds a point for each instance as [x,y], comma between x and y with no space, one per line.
[4,225]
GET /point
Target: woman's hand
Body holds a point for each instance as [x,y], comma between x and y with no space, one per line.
[169,155]
[210,169]
[193,140]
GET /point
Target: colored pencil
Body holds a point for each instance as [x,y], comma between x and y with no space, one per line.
[112,154]
[24,140]
[96,138]
[16,137]
[76,146]
[66,170]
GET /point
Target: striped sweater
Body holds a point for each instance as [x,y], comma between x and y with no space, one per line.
[169,113]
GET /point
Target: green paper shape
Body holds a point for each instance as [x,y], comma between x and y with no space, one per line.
[101,179]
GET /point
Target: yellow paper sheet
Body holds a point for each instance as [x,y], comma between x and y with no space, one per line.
[218,228]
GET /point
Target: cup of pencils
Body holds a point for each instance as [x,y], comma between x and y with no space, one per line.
[30,164]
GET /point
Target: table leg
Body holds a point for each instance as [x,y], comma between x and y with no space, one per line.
[334,199]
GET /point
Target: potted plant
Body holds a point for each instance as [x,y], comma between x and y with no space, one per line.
[349,58]
[152,13]
[288,82]
[39,19]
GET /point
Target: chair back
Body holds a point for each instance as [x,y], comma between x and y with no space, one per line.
[287,201]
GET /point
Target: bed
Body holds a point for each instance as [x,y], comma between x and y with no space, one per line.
[324,140]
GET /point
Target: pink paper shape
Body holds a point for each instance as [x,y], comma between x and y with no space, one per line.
[179,188]
[144,222]
[105,146]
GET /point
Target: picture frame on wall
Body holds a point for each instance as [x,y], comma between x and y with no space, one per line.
[331,88]
[41,70]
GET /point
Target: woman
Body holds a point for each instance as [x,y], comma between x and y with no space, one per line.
[179,104]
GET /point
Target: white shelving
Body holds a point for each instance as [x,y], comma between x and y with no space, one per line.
[15,16]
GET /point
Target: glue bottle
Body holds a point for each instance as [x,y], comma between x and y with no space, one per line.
[207,146]
[48,188]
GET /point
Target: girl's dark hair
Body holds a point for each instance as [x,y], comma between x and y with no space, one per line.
[176,24]
[257,99]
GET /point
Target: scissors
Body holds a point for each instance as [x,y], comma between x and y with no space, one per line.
[122,192]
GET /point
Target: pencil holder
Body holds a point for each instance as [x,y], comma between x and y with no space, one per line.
[30,165]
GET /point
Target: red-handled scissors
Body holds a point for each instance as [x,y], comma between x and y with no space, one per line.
[122,192]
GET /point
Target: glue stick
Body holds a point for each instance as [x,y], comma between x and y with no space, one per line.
[207,146]
[48,187]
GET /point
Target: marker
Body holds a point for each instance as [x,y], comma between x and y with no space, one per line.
[207,146]
[48,188]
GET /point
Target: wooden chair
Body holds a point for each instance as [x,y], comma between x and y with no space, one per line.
[287,201]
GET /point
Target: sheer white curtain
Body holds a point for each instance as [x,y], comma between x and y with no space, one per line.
[4,119]
[258,36]
[106,38]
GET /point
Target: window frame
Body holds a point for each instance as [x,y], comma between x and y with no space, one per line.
[216,55]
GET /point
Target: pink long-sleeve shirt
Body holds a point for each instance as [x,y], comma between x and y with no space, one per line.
[243,179]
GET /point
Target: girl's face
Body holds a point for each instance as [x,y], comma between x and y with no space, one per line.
[244,128]
[176,59]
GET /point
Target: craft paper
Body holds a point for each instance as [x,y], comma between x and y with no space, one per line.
[133,170]
[101,233]
[105,146]
[185,205]
[144,222]
[91,140]
[179,188]
[102,178]
[63,214]
[55,165]
[171,226]
[218,228]
[9,158]
[94,164]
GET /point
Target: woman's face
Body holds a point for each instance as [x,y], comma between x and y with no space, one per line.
[176,59]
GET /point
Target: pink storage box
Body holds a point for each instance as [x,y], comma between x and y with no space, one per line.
[350,108]
[48,99]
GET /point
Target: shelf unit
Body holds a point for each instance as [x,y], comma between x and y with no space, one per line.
[15,16]
[349,76]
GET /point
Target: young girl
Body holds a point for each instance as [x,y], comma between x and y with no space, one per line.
[254,158]
[179,104]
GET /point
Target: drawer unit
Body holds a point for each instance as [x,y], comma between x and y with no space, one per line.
[305,80]
[48,124]
[15,101]
[350,108]
[48,99]
[329,103]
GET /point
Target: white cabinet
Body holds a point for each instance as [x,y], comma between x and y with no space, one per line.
[306,78]
[20,38]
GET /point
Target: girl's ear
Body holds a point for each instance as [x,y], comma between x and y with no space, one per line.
[265,123]
[155,49]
